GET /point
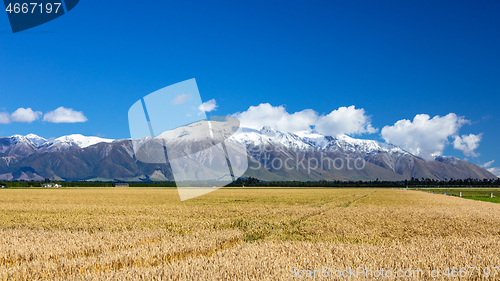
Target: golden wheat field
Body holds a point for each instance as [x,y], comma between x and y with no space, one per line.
[245,234]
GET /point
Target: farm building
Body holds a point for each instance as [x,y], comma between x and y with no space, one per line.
[51,185]
[121,184]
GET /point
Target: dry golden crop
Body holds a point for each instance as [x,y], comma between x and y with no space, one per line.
[239,234]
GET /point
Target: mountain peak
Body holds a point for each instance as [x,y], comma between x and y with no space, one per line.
[33,136]
[267,129]
[20,139]
[81,140]
[36,140]
[17,136]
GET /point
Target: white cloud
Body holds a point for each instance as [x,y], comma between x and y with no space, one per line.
[208,106]
[182,98]
[424,136]
[25,115]
[467,144]
[4,118]
[277,118]
[495,171]
[345,120]
[64,115]
[488,164]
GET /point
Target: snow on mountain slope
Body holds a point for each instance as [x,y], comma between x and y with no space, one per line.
[193,132]
[15,139]
[308,140]
[367,146]
[267,136]
[196,131]
[36,140]
[17,145]
[80,140]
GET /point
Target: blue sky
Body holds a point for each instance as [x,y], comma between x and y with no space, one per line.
[394,59]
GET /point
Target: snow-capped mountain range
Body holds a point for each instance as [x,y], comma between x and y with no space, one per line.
[78,157]
[307,140]
[265,136]
[25,145]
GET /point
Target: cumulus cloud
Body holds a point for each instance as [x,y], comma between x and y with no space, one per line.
[4,118]
[345,120]
[25,115]
[277,118]
[64,115]
[208,106]
[493,170]
[488,164]
[424,136]
[467,144]
[182,98]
